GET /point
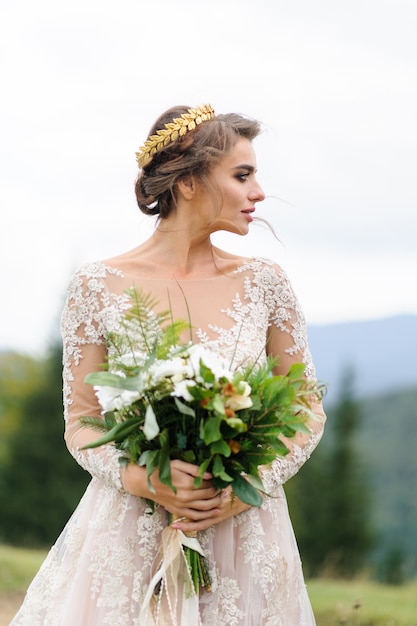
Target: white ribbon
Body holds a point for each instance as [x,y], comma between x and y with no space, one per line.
[176,604]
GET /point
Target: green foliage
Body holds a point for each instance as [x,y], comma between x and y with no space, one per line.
[157,427]
[142,321]
[383,454]
[388,442]
[350,536]
[391,568]
[40,483]
[19,376]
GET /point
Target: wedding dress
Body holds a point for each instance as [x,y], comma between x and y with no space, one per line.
[98,571]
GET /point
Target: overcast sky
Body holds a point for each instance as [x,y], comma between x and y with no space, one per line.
[333,82]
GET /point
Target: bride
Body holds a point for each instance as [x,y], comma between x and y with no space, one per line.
[198,175]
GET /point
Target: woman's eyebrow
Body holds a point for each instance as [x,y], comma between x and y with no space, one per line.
[250,168]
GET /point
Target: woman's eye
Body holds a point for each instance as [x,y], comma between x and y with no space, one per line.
[242,177]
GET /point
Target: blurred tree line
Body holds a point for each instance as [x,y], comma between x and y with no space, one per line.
[41,484]
[329,499]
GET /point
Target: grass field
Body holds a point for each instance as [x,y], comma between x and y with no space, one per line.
[17,568]
[363,603]
[335,602]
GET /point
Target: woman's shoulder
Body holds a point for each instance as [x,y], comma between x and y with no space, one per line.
[261,265]
[239,263]
[95,277]
[117,265]
[95,270]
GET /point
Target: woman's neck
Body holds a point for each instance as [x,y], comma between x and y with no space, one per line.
[180,254]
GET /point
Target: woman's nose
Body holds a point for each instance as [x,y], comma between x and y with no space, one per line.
[257,193]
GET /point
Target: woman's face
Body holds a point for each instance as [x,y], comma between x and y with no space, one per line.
[234,178]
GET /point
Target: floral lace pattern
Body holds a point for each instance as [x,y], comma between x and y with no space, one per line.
[98,571]
[267,298]
[281,471]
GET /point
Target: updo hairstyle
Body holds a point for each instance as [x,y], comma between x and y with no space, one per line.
[193,154]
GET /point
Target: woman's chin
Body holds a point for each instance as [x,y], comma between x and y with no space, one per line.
[234,229]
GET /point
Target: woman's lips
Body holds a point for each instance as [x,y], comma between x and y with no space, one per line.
[248,215]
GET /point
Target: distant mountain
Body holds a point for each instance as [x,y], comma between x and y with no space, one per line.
[382,353]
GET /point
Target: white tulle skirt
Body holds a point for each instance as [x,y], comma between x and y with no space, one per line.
[99,570]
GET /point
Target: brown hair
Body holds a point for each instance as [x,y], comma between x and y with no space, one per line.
[193,154]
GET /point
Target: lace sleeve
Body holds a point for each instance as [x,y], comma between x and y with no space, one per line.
[289,342]
[284,468]
[87,313]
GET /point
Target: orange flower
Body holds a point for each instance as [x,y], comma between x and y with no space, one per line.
[229,390]
[240,398]
[234,446]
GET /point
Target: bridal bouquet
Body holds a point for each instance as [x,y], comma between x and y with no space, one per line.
[164,400]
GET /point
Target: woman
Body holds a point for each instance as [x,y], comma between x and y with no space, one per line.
[198,175]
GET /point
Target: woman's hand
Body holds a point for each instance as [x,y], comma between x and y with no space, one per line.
[229,507]
[201,507]
[193,503]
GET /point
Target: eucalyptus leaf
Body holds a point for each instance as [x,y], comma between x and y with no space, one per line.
[151,460]
[218,404]
[109,379]
[220,447]
[219,469]
[246,492]
[211,429]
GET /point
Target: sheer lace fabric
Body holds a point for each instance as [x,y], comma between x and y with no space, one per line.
[98,571]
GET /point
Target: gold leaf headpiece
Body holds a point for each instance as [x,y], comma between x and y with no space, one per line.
[177,128]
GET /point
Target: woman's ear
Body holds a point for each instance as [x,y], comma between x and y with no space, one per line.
[187,187]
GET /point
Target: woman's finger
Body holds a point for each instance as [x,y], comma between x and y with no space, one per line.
[189,468]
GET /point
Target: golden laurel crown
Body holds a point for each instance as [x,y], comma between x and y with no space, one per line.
[177,128]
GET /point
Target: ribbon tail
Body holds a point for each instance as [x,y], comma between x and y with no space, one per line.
[190,542]
[190,615]
[145,617]
[176,603]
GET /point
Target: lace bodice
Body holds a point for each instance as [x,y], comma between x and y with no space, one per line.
[243,315]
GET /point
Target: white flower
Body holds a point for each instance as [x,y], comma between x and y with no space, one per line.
[181,389]
[114,399]
[238,402]
[170,368]
[213,361]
